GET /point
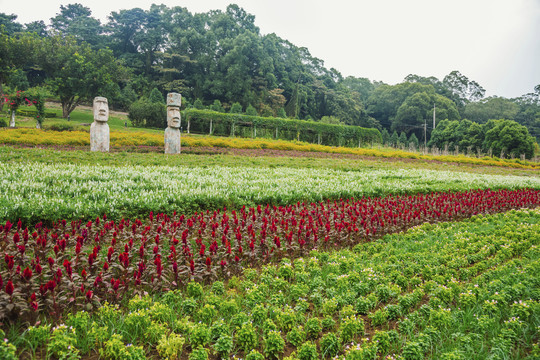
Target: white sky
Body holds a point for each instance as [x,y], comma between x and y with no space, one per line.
[494,42]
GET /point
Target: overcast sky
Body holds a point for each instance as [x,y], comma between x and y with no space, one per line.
[494,42]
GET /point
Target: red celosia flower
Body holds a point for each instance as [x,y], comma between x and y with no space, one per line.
[10,288]
[27,274]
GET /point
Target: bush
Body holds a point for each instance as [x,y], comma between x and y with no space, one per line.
[216,106]
[251,111]
[143,113]
[156,97]
[308,351]
[236,108]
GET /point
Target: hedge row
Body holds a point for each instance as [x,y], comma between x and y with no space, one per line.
[216,123]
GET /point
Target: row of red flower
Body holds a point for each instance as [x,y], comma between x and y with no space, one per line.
[76,263]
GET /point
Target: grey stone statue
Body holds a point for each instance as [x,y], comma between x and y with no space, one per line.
[99,130]
[172,132]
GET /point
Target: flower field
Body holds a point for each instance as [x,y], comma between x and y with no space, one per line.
[218,257]
[36,192]
[460,290]
[72,263]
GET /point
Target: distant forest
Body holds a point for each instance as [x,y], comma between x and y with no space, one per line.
[220,60]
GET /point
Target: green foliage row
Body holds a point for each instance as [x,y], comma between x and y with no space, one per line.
[32,113]
[281,128]
[463,290]
[501,137]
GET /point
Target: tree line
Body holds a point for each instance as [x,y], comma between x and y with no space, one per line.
[220,60]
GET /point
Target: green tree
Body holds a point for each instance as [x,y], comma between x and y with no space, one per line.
[413,140]
[418,109]
[16,53]
[281,113]
[466,90]
[394,139]
[385,137]
[493,107]
[156,97]
[403,139]
[250,110]
[198,104]
[76,20]
[510,137]
[77,73]
[363,86]
[37,27]
[9,24]
[236,108]
[529,112]
[216,106]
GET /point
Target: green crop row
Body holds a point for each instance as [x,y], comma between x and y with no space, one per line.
[36,192]
[465,290]
[211,122]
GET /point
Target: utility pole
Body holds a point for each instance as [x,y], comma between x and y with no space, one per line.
[425,133]
[433,116]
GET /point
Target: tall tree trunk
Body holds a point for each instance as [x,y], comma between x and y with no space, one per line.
[68,105]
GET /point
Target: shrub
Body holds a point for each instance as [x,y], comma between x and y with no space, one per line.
[313,327]
[223,346]
[296,336]
[251,111]
[156,97]
[236,108]
[170,347]
[199,354]
[330,345]
[273,344]
[308,351]
[144,113]
[246,337]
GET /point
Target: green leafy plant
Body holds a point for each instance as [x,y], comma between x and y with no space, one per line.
[296,336]
[199,353]
[63,342]
[7,350]
[224,346]
[313,327]
[330,345]
[273,344]
[254,355]
[200,335]
[170,346]
[246,337]
[308,351]
[350,327]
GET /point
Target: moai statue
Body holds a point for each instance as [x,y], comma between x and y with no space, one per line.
[99,130]
[172,132]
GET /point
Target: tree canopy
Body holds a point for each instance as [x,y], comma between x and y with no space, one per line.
[221,57]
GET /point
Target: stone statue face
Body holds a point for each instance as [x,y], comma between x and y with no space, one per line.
[173,117]
[101,109]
